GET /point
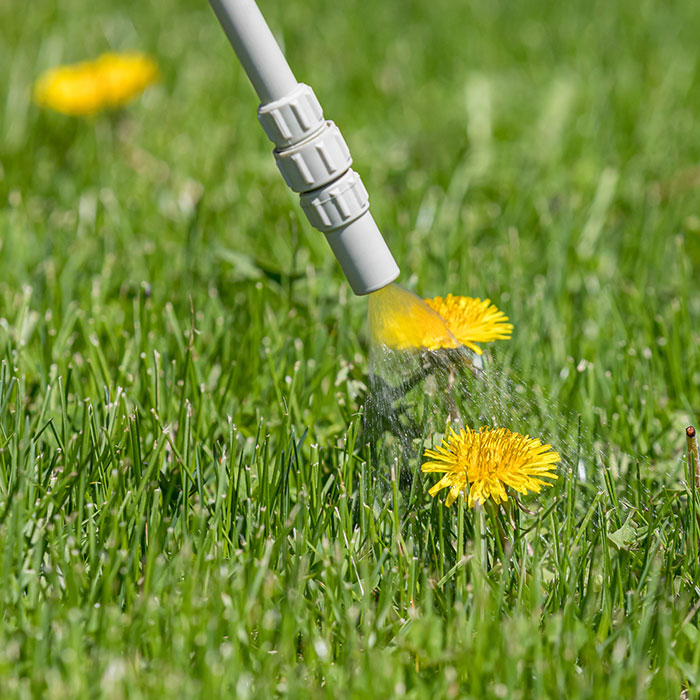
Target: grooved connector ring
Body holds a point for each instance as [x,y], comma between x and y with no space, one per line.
[336,204]
[315,162]
[293,118]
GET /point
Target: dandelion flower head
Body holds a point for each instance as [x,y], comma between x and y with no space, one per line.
[483,463]
[401,320]
[472,320]
[110,81]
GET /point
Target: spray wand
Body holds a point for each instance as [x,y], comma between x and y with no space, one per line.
[310,151]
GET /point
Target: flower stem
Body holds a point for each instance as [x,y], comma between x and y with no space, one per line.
[461,507]
[693,479]
[501,539]
[693,456]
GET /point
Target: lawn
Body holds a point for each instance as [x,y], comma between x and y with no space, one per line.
[189,506]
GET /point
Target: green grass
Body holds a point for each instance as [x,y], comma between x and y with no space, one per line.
[188,507]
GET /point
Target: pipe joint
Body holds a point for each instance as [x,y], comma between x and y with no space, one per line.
[315,162]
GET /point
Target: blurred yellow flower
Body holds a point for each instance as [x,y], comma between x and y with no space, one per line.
[484,462]
[111,80]
[472,320]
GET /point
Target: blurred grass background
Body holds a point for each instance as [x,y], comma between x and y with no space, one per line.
[155,272]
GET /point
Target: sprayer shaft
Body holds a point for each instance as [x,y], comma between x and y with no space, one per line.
[256,48]
[310,152]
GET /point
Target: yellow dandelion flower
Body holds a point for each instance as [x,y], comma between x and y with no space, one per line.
[401,320]
[111,80]
[472,320]
[484,462]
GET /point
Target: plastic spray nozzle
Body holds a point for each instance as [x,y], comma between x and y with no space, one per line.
[310,151]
